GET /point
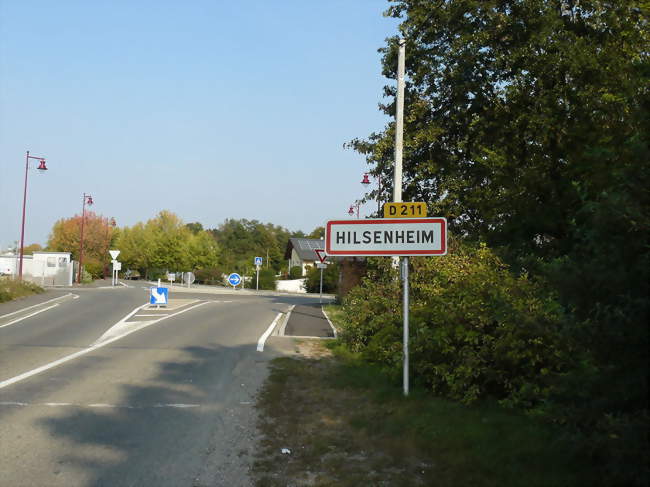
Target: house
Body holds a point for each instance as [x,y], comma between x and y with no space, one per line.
[300,252]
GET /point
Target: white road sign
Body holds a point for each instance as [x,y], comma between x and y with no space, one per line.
[384,236]
[114,253]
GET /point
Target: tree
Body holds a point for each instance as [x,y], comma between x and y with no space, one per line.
[30,249]
[98,236]
[318,232]
[195,227]
[527,125]
[165,243]
[241,240]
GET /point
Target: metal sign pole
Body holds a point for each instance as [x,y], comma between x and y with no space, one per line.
[320,298]
[257,278]
[405,310]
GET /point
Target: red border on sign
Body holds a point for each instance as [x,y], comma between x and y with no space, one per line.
[385,221]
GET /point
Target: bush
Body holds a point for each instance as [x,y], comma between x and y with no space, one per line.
[13,288]
[267,280]
[86,277]
[295,272]
[476,329]
[93,266]
[209,275]
[330,279]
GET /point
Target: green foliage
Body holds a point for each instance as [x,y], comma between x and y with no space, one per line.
[241,240]
[295,272]
[527,126]
[476,329]
[209,275]
[86,277]
[13,288]
[330,279]
[267,280]
[93,266]
[164,244]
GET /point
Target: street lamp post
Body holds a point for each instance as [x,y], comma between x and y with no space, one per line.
[86,199]
[366,181]
[352,207]
[41,167]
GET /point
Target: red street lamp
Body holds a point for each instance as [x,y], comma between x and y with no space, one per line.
[41,167]
[351,210]
[366,181]
[86,199]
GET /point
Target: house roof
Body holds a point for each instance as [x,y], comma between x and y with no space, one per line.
[304,247]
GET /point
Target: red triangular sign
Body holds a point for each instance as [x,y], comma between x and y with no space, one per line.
[321,254]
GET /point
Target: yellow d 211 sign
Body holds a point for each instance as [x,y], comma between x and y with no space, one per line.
[405,210]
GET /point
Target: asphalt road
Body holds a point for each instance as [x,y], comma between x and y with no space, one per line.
[94,391]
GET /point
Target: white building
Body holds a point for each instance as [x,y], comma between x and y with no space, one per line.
[42,268]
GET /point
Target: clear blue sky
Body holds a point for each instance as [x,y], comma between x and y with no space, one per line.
[211,109]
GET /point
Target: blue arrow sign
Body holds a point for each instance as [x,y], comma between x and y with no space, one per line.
[158,295]
[258,261]
[234,279]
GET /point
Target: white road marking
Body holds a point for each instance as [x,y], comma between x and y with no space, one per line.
[260,342]
[97,405]
[161,314]
[29,315]
[39,304]
[92,348]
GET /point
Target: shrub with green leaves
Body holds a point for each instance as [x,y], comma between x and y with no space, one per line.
[295,272]
[477,330]
[330,279]
[267,280]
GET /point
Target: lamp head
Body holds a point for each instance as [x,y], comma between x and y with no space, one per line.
[42,166]
[365,179]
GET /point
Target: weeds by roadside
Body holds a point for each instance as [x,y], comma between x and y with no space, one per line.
[12,289]
[345,424]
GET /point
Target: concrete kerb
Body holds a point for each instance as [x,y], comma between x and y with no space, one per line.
[336,335]
[280,329]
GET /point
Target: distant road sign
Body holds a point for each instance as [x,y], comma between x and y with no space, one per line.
[321,254]
[258,261]
[189,277]
[321,265]
[405,210]
[407,236]
[114,253]
[234,279]
[158,295]
[117,266]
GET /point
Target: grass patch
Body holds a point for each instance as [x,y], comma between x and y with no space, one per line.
[346,424]
[12,289]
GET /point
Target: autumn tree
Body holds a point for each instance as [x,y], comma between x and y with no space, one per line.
[98,236]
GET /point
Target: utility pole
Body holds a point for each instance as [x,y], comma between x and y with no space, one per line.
[397,198]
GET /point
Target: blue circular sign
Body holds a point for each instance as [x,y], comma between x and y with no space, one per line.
[234,279]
